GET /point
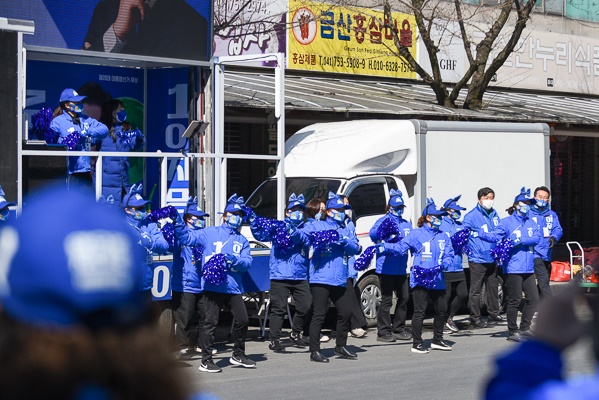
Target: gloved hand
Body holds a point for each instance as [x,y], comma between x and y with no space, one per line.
[343,240]
[146,241]
[290,228]
[231,258]
[380,248]
[552,242]
[514,239]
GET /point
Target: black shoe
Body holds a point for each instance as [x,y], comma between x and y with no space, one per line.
[276,346]
[242,361]
[526,333]
[515,337]
[419,348]
[479,323]
[495,320]
[451,326]
[386,338]
[317,356]
[209,366]
[440,345]
[344,352]
[296,338]
[403,335]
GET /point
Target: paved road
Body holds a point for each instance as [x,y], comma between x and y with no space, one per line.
[382,371]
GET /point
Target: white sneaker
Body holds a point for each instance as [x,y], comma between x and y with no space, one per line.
[441,345]
[357,332]
[324,338]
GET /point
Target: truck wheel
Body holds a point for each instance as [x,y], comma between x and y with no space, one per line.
[370,298]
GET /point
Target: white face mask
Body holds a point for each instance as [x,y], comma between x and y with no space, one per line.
[487,204]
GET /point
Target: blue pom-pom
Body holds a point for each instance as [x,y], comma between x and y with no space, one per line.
[40,126]
[168,231]
[277,230]
[323,238]
[72,140]
[162,213]
[502,251]
[197,252]
[129,138]
[427,277]
[388,231]
[248,212]
[363,262]
[459,241]
[215,270]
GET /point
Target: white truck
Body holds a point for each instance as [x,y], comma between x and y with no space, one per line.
[365,159]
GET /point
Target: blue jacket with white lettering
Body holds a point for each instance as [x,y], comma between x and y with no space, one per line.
[451,227]
[430,248]
[550,227]
[329,265]
[291,264]
[526,235]
[219,239]
[186,269]
[391,264]
[479,219]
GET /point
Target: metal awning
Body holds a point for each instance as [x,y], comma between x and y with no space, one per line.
[256,90]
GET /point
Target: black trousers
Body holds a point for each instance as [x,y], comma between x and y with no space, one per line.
[213,302]
[421,297]
[80,181]
[279,292]
[515,284]
[457,294]
[392,283]
[320,302]
[352,292]
[543,273]
[188,309]
[479,274]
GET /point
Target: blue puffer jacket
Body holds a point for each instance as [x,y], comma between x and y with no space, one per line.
[90,130]
[150,237]
[430,249]
[291,265]
[329,265]
[479,219]
[219,240]
[449,226]
[550,227]
[391,264]
[115,170]
[526,235]
[186,269]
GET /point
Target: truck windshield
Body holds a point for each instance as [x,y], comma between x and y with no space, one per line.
[264,199]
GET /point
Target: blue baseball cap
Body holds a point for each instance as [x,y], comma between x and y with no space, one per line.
[452,204]
[336,202]
[195,211]
[235,204]
[70,95]
[296,201]
[134,198]
[396,199]
[3,202]
[524,196]
[431,209]
[78,265]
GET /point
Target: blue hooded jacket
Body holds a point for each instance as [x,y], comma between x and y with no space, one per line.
[219,240]
[478,219]
[550,227]
[115,170]
[525,233]
[89,128]
[329,265]
[451,227]
[291,265]
[150,237]
[186,269]
[430,248]
[391,264]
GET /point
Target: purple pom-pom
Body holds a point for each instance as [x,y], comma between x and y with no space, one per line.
[247,214]
[388,231]
[162,213]
[215,270]
[40,126]
[197,252]
[427,277]
[267,225]
[129,139]
[168,231]
[363,262]
[459,241]
[323,238]
[72,140]
[282,238]
[502,251]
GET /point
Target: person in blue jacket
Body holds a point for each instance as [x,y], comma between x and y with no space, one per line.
[78,132]
[328,277]
[187,302]
[455,279]
[4,210]
[150,236]
[392,272]
[551,231]
[525,234]
[121,137]
[534,370]
[433,254]
[224,239]
[288,274]
[483,269]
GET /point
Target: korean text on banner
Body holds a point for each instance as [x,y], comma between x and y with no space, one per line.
[332,38]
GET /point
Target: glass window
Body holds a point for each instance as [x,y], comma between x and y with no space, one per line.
[368,199]
[554,7]
[391,183]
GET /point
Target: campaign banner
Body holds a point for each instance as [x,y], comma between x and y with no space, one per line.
[159,28]
[161,280]
[257,27]
[333,38]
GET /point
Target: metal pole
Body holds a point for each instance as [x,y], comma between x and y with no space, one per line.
[98,173]
[280,116]
[163,180]
[219,134]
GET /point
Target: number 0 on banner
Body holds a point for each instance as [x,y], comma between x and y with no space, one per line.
[161,283]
